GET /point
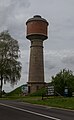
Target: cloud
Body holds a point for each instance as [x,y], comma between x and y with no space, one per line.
[68,60]
[68,56]
[12,15]
[49,65]
[56,60]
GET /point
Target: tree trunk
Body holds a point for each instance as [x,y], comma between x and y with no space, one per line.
[1,85]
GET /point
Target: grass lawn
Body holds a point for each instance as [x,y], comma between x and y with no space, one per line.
[60,102]
[67,103]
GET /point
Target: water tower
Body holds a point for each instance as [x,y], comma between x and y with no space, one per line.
[36,33]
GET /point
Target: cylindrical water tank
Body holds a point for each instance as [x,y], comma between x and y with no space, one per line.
[37,28]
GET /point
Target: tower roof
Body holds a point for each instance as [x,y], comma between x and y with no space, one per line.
[37,18]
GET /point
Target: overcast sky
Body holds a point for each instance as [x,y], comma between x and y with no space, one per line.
[58,48]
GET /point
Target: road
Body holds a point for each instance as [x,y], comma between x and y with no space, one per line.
[15,110]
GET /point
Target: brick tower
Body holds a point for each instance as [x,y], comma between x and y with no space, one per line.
[36,33]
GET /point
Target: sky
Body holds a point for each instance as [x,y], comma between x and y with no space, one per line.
[58,48]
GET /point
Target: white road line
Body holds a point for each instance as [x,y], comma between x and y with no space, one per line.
[24,110]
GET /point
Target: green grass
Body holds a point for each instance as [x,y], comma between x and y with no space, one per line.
[35,98]
[67,103]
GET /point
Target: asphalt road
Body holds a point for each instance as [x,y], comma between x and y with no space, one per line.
[15,110]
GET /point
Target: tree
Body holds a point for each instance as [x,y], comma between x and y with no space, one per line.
[64,79]
[10,67]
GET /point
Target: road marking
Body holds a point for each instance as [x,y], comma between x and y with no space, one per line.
[24,110]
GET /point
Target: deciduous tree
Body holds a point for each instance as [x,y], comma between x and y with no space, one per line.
[64,79]
[10,67]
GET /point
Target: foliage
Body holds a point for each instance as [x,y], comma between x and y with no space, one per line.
[64,79]
[10,67]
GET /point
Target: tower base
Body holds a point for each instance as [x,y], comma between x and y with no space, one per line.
[34,86]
